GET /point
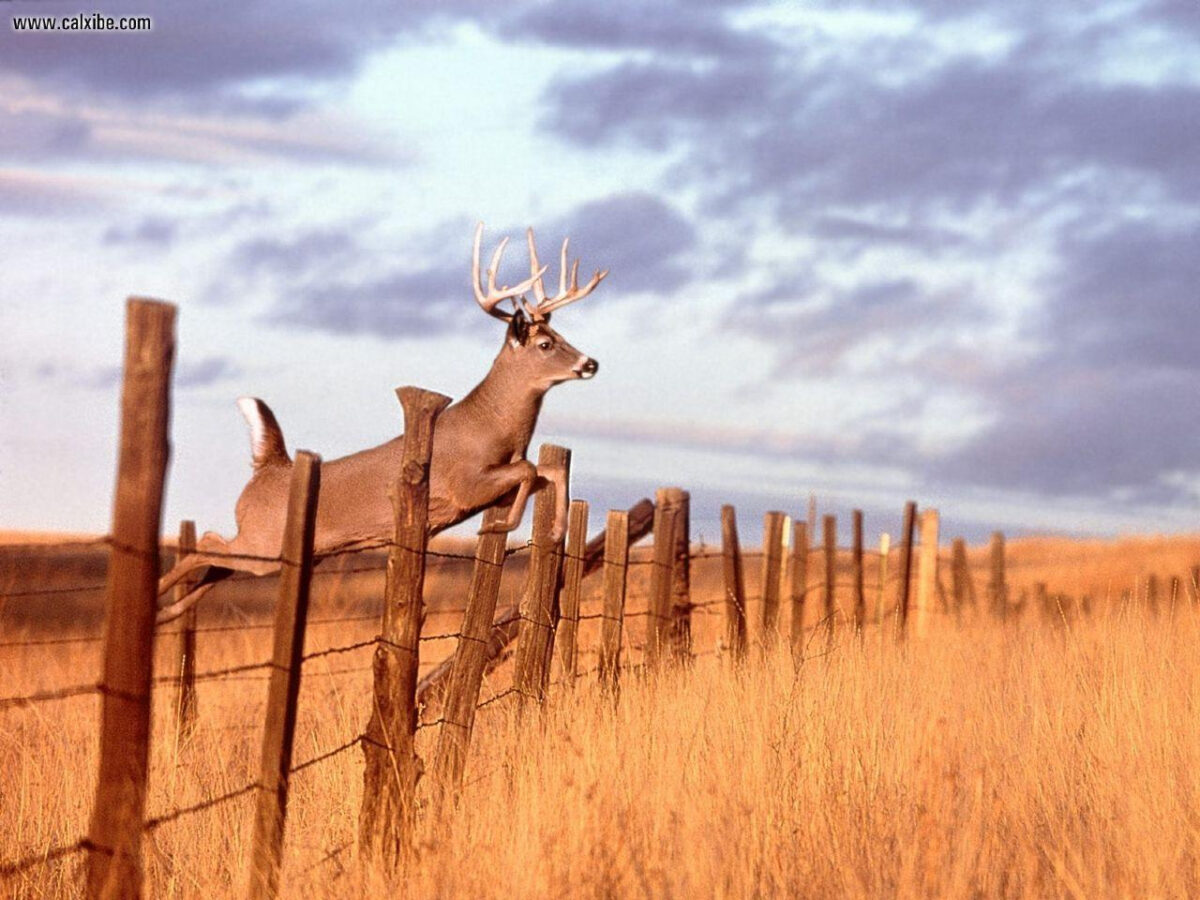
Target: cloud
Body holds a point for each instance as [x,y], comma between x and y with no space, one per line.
[331,280]
[188,373]
[25,193]
[155,231]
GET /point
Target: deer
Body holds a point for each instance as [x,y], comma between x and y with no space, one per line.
[479,447]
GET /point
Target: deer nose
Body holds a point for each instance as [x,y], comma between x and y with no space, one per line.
[589,368]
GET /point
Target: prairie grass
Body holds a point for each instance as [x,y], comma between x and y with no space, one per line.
[1043,760]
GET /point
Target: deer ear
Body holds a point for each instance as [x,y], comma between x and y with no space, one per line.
[518,329]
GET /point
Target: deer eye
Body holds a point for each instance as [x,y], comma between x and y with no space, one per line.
[543,344]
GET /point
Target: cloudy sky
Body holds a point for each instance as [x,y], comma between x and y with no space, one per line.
[946,251]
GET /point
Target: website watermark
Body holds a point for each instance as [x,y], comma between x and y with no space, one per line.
[82,22]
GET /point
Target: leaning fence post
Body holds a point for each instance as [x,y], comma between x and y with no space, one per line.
[658,622]
[772,574]
[856,554]
[735,584]
[391,770]
[539,615]
[800,540]
[185,666]
[291,614]
[572,590]
[906,559]
[114,862]
[997,587]
[616,565]
[927,572]
[462,692]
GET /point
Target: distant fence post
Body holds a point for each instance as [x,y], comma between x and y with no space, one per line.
[616,565]
[291,615]
[960,573]
[735,584]
[1152,594]
[829,535]
[462,692]
[927,573]
[571,590]
[906,559]
[539,613]
[772,575]
[666,511]
[391,770]
[860,596]
[185,665]
[114,861]
[800,538]
[997,586]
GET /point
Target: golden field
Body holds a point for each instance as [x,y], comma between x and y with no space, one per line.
[1047,758]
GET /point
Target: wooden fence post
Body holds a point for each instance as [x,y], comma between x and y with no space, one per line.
[829,534]
[860,596]
[772,575]
[539,612]
[572,590]
[392,768]
[291,615]
[960,574]
[927,573]
[800,548]
[679,633]
[504,626]
[185,664]
[658,622]
[997,586]
[462,691]
[616,565]
[1152,594]
[114,861]
[735,584]
[906,557]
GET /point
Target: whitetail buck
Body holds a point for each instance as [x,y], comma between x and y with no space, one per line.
[478,449]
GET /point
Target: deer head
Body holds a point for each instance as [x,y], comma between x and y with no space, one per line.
[531,346]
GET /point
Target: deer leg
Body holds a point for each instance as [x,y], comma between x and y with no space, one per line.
[191,598]
[522,475]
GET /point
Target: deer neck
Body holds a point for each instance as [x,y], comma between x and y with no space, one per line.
[507,403]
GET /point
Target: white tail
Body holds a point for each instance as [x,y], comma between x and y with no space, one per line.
[478,452]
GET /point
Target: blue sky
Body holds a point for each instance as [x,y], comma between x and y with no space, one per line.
[946,251]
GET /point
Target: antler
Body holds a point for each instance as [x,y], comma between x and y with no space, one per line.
[496,296]
[546,305]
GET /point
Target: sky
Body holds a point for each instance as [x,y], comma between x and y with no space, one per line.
[940,251]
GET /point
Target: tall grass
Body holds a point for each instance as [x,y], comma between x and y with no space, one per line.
[1031,761]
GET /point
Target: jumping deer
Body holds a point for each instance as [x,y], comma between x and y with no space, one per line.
[478,451]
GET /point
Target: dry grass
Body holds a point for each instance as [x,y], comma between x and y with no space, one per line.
[1030,761]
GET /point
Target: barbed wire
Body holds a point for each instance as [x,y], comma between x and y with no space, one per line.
[158,821]
[14,867]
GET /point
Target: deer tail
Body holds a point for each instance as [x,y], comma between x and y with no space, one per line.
[266,437]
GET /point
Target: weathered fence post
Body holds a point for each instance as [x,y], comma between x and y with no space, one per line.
[906,557]
[735,584]
[772,575]
[185,664]
[927,573]
[997,586]
[539,613]
[829,535]
[291,614]
[662,578]
[462,692]
[1152,594]
[616,565]
[114,862]
[392,768]
[679,633]
[960,573]
[572,590]
[860,596]
[800,539]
